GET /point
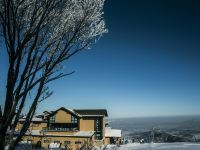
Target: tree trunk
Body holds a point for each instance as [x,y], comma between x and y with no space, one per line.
[2,139]
[11,146]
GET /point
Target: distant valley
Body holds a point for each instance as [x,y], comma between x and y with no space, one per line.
[159,129]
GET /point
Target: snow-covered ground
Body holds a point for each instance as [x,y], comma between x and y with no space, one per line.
[156,146]
[137,146]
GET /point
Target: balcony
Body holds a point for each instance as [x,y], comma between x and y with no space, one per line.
[62,127]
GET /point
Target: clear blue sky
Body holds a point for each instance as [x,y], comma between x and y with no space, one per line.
[147,65]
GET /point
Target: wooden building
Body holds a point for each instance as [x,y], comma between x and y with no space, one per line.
[69,129]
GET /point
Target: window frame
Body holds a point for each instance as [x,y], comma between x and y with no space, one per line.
[74,119]
[52,119]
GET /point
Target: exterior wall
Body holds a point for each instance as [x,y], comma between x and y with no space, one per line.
[86,124]
[104,126]
[62,117]
[107,140]
[38,126]
[33,126]
[113,140]
[51,139]
[19,126]
[98,143]
[33,139]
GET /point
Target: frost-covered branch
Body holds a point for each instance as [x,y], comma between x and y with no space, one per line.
[39,35]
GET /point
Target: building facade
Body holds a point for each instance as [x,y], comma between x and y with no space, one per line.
[67,128]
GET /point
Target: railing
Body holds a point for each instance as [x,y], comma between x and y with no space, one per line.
[60,129]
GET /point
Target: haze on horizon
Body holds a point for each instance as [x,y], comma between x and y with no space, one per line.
[147,65]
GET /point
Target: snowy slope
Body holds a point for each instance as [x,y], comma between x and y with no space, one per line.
[157,146]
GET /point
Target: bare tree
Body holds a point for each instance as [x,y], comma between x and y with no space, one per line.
[39,35]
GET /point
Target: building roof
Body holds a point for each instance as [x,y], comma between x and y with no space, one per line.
[41,133]
[39,116]
[65,109]
[34,119]
[76,112]
[33,132]
[92,112]
[109,132]
[83,112]
[84,134]
[48,112]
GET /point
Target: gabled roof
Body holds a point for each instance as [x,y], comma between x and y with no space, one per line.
[48,112]
[39,116]
[65,109]
[92,112]
[83,112]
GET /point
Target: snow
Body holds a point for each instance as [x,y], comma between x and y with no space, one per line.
[84,133]
[78,134]
[156,146]
[109,132]
[33,119]
[73,112]
[136,146]
[33,132]
[54,145]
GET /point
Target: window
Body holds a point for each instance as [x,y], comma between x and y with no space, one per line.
[44,128]
[63,126]
[67,142]
[98,125]
[98,136]
[52,119]
[74,119]
[36,124]
[98,128]
[46,141]
[77,142]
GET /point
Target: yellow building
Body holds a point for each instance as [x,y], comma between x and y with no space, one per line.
[66,128]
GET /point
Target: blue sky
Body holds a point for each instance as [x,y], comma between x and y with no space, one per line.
[147,65]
